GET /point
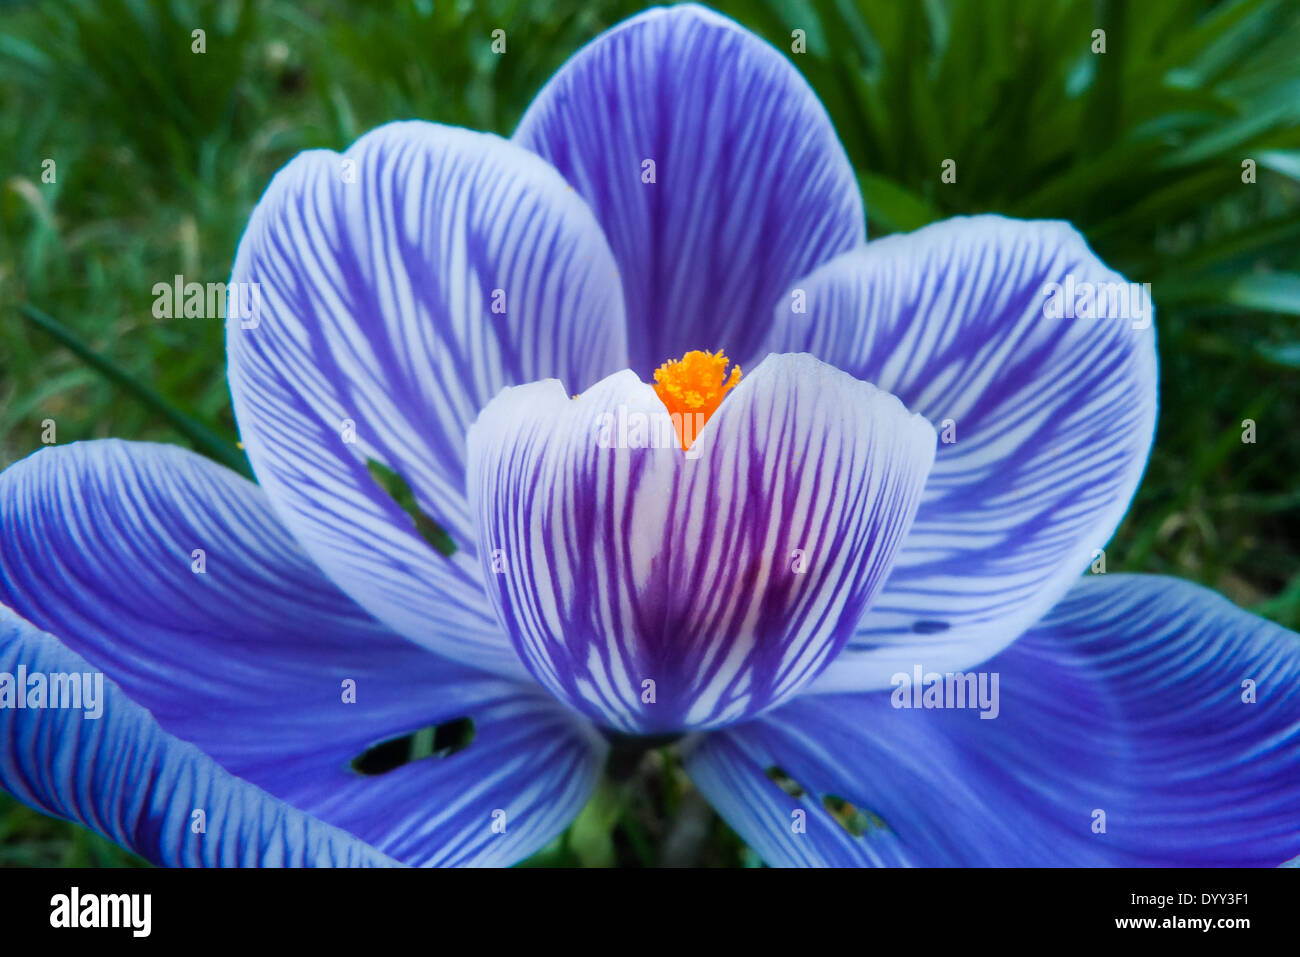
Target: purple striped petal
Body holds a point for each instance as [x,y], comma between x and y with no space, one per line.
[656,590]
[751,188]
[1144,721]
[402,284]
[119,774]
[266,666]
[1044,423]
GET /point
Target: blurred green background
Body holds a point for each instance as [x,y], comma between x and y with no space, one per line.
[161,153]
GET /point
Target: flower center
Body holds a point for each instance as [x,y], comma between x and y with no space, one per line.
[692,388]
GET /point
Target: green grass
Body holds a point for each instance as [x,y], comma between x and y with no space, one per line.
[161,153]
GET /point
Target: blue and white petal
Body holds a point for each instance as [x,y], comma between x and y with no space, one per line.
[121,775]
[712,168]
[173,576]
[656,590]
[1144,721]
[400,286]
[787,825]
[1045,422]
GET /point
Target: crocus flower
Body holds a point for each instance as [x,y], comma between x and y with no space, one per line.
[616,539]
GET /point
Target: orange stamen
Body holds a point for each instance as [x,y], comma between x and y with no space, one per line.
[693,386]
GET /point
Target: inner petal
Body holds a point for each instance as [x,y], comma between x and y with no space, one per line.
[658,592]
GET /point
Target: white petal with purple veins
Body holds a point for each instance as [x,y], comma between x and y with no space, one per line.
[729,576]
[750,187]
[402,285]
[1044,422]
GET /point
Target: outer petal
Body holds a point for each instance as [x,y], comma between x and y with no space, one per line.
[251,660]
[656,590]
[1148,700]
[1044,424]
[401,286]
[751,188]
[121,775]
